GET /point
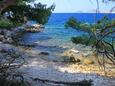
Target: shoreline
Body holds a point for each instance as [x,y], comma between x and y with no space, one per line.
[37,67]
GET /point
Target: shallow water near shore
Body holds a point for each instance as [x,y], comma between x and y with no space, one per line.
[54,40]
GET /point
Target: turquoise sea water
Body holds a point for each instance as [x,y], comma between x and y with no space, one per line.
[55,29]
[55,35]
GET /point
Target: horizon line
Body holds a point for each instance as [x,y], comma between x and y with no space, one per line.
[85,12]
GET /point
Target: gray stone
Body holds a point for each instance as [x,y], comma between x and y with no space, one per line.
[7,33]
[43,53]
[9,40]
[1,37]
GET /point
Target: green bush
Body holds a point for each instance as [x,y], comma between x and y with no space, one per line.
[83,40]
[72,22]
[5,23]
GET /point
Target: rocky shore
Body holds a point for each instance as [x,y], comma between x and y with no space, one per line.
[13,35]
[75,66]
[65,71]
[34,28]
[10,36]
[37,70]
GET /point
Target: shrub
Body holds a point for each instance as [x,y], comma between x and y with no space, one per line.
[5,23]
[72,22]
[83,40]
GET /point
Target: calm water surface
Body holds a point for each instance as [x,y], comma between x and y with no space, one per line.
[55,37]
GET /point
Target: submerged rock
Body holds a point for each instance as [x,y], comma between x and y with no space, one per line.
[43,53]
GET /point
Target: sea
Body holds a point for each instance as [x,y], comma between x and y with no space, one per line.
[55,37]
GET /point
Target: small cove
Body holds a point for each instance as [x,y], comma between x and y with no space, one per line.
[55,38]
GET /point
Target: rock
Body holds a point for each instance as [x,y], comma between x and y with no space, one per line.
[34,28]
[78,60]
[9,40]
[9,48]
[6,40]
[18,29]
[1,37]
[68,53]
[74,51]
[71,52]
[43,53]
[63,46]
[8,33]
[88,61]
[72,59]
[66,58]
[88,53]
[74,55]
[38,25]
[95,54]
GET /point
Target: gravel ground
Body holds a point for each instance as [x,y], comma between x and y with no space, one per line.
[57,71]
[36,67]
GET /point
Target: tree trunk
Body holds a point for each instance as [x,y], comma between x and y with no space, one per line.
[6,3]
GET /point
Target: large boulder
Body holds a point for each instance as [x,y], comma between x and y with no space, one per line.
[88,61]
[73,55]
[80,56]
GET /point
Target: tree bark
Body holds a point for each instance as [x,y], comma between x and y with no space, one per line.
[6,3]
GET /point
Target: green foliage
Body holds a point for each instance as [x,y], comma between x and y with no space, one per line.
[5,23]
[72,22]
[90,28]
[101,35]
[83,40]
[85,27]
[39,12]
[18,13]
